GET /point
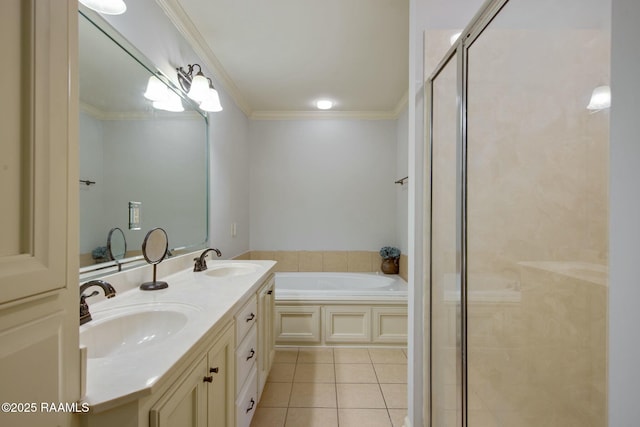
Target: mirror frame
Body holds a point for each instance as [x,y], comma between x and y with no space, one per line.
[114,266]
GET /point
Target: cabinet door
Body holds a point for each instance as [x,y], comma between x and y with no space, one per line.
[186,405]
[39,360]
[37,143]
[221,392]
[266,334]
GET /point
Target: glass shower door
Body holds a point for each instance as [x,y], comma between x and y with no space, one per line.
[537,216]
[446,326]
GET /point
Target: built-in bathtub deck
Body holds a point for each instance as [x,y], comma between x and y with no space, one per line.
[340,309]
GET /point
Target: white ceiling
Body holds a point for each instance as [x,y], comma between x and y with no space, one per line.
[281,55]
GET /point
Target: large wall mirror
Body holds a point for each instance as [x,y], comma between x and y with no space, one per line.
[141,166]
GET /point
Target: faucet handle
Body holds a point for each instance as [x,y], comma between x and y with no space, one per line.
[92,294]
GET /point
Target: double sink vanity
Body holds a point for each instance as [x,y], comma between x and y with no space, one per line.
[194,354]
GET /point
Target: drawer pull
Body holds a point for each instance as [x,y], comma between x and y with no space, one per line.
[207,379]
[270,291]
[253,402]
[251,354]
[213,370]
[251,317]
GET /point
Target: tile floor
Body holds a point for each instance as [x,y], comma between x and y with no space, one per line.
[327,387]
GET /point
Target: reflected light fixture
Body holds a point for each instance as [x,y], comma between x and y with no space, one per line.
[324,104]
[199,88]
[454,38]
[156,90]
[107,7]
[600,98]
[172,103]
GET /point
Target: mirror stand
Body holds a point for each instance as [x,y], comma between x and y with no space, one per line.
[155,284]
[154,249]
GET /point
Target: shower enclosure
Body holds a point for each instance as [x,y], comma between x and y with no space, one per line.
[519,214]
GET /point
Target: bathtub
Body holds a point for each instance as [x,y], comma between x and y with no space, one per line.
[336,309]
[339,286]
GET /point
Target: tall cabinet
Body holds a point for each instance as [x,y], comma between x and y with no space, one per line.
[39,360]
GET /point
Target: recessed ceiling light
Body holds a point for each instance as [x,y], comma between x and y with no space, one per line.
[324,104]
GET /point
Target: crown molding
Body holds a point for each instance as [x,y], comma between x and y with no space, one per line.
[183,23]
[400,106]
[321,115]
[99,114]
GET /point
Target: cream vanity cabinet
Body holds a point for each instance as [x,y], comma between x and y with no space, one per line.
[266,337]
[255,350]
[200,399]
[39,358]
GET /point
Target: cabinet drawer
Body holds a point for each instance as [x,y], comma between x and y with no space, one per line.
[246,318]
[247,400]
[246,355]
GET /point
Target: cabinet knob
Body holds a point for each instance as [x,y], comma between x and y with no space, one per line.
[251,317]
[213,370]
[207,379]
[251,354]
[253,402]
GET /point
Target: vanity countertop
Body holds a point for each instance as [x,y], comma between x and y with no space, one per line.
[207,300]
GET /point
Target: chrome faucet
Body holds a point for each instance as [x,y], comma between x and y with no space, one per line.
[201,263]
[108,290]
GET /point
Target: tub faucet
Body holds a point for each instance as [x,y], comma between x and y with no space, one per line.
[201,263]
[109,292]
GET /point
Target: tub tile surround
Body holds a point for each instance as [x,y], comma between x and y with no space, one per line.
[366,386]
[112,381]
[326,261]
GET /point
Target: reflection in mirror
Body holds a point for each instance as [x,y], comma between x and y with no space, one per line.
[154,249]
[130,150]
[116,244]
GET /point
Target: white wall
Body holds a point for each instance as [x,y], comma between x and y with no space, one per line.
[162,43]
[624,219]
[323,184]
[402,170]
[92,220]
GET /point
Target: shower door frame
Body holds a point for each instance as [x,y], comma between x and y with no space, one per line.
[459,50]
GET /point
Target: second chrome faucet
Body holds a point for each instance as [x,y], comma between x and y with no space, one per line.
[201,263]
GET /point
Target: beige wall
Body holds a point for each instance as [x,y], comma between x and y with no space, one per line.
[537,232]
[333,261]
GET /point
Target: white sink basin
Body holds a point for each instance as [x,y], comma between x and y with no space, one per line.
[134,328]
[231,269]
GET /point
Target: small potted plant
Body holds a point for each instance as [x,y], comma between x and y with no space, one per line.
[390,260]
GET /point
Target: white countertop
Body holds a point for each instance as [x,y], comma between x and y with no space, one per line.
[207,300]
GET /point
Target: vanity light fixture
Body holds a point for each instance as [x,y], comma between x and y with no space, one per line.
[324,104]
[199,88]
[107,7]
[600,98]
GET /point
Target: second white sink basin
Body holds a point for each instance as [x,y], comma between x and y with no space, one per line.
[125,330]
[231,269]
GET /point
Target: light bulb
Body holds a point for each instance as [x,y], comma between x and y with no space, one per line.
[173,103]
[107,7]
[199,88]
[211,102]
[156,90]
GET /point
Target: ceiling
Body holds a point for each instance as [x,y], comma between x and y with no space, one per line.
[279,56]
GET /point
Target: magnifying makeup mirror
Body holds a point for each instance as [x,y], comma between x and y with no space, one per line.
[154,249]
[116,244]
